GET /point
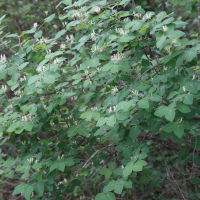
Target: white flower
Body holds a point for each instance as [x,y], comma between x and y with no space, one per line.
[30,160]
[3,58]
[165,68]
[115,90]
[90,82]
[97,9]
[121,31]
[39,69]
[135,92]
[110,110]
[93,35]
[24,118]
[117,57]
[4,87]
[174,41]
[165,28]
[62,46]
[86,72]
[184,88]
[35,25]
[56,61]
[148,16]
[193,77]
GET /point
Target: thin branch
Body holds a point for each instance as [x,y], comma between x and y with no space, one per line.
[20,44]
[8,47]
[168,170]
[85,165]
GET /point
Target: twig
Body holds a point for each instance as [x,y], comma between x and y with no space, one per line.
[20,44]
[84,166]
[8,47]
[171,173]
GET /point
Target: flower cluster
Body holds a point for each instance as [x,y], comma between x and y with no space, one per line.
[121,31]
[17,92]
[74,98]
[35,25]
[21,79]
[117,57]
[165,28]
[42,40]
[63,46]
[135,92]
[137,15]
[79,14]
[40,69]
[93,35]
[112,109]
[71,38]
[30,160]
[114,90]
[56,61]
[94,108]
[3,58]
[64,23]
[97,9]
[126,19]
[4,87]
[97,49]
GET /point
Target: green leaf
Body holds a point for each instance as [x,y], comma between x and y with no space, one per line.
[161,42]
[27,192]
[61,167]
[161,111]
[39,188]
[106,172]
[110,196]
[112,165]
[188,99]
[124,38]
[101,121]
[170,114]
[128,169]
[37,166]
[10,174]
[70,188]
[143,103]
[179,130]
[19,189]
[101,196]
[176,34]
[48,79]
[72,131]
[83,131]
[183,108]
[69,162]
[156,98]
[111,186]
[50,18]
[119,186]
[143,30]
[33,79]
[28,126]
[59,34]
[169,127]
[189,55]
[107,67]
[139,165]
[111,121]
[124,105]
[134,132]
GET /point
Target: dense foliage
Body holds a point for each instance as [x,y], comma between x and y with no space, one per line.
[104,108]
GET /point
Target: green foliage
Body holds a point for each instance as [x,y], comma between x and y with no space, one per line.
[91,105]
